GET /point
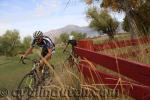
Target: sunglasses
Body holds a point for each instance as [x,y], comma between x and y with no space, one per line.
[38,39]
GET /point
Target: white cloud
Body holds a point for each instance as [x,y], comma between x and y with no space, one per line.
[46,7]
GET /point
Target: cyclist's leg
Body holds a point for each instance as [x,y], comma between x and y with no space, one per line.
[53,51]
[43,54]
[72,57]
[39,71]
[47,75]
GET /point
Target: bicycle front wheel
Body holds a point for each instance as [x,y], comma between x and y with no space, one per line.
[27,85]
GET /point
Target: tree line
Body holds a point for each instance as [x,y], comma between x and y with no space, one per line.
[63,38]
[11,43]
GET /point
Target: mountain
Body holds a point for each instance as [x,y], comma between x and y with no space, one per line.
[69,28]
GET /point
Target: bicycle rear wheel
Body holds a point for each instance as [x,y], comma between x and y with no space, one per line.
[27,85]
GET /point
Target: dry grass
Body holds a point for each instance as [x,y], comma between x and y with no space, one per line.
[70,77]
[105,38]
[141,56]
[67,78]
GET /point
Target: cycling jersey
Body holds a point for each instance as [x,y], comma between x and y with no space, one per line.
[72,42]
[45,44]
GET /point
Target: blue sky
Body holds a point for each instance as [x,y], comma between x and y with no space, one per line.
[28,16]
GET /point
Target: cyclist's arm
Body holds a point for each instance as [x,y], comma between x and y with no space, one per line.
[28,51]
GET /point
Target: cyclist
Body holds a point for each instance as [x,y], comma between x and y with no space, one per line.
[48,47]
[72,41]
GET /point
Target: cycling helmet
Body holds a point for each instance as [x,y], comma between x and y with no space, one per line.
[37,34]
[71,37]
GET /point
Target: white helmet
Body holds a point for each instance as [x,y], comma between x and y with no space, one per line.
[71,37]
[37,34]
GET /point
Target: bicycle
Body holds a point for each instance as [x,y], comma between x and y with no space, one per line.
[71,60]
[32,79]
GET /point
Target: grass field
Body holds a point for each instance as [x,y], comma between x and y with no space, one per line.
[11,71]
[142,57]
[105,38]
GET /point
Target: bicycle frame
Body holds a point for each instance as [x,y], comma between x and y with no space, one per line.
[29,83]
[32,73]
[31,80]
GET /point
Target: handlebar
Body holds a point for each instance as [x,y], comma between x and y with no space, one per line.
[22,60]
[33,60]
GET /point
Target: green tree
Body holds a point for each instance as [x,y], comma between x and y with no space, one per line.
[27,42]
[127,6]
[57,40]
[10,43]
[102,21]
[64,37]
[78,35]
[1,46]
